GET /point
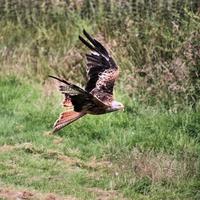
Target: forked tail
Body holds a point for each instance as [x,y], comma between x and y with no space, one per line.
[66,118]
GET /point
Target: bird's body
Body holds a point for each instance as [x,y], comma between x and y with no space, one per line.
[97,97]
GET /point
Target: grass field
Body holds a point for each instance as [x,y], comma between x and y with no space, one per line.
[141,153]
[151,151]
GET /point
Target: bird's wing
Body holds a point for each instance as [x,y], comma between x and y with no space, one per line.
[77,102]
[81,96]
[101,69]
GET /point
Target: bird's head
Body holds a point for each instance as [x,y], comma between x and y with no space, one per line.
[115,106]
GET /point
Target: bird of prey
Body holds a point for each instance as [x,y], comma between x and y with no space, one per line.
[97,97]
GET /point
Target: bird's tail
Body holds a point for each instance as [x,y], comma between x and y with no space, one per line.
[66,118]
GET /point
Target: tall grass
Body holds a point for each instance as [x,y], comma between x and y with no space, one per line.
[156,43]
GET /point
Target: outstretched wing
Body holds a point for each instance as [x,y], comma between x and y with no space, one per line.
[76,97]
[101,69]
[77,102]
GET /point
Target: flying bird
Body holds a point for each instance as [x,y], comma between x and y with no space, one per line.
[97,97]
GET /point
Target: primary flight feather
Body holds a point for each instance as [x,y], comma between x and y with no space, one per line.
[97,97]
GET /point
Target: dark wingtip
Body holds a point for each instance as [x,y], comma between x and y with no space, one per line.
[80,37]
[98,46]
[85,32]
[86,43]
[51,76]
[54,77]
[88,36]
[61,80]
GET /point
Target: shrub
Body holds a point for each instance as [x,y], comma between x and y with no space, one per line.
[156,43]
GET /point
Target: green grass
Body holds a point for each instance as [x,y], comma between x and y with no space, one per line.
[128,151]
[150,151]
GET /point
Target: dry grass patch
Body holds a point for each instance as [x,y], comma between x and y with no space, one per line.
[93,163]
[157,167]
[7,148]
[101,194]
[9,193]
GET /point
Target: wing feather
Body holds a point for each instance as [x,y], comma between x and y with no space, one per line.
[77,96]
[77,102]
[102,70]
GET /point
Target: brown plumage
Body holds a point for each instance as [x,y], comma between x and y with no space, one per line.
[97,98]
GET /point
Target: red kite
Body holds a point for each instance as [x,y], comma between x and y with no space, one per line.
[97,97]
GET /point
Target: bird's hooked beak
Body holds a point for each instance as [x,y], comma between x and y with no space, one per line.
[116,106]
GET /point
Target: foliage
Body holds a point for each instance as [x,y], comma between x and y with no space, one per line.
[156,43]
